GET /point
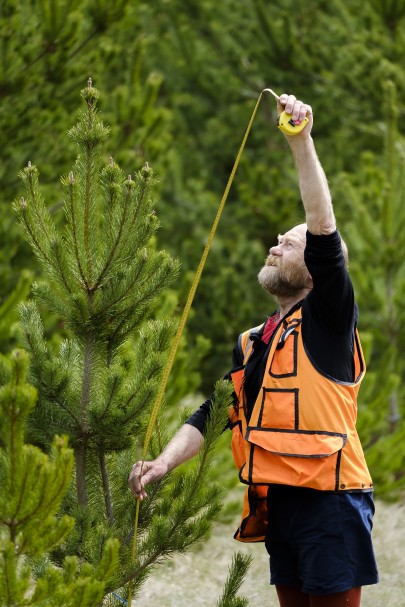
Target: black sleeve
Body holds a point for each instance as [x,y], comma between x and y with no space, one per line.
[199,418]
[332,297]
[329,311]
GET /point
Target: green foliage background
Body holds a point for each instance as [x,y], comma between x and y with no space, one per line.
[179,82]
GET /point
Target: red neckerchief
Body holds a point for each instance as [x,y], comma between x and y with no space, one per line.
[270,327]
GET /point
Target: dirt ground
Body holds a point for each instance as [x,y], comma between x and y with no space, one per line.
[197,578]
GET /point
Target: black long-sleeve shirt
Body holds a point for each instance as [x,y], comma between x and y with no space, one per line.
[329,319]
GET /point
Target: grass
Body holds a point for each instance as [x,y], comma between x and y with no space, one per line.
[196,579]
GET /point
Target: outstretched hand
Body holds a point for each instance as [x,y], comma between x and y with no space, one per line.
[299,110]
[142,474]
[185,444]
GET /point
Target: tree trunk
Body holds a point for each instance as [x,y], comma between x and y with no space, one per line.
[80,460]
[80,453]
[106,487]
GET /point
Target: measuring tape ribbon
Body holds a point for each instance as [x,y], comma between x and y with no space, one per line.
[176,341]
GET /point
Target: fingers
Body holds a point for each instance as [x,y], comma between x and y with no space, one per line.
[142,474]
[291,105]
[137,480]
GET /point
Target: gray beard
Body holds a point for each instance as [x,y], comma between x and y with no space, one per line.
[278,284]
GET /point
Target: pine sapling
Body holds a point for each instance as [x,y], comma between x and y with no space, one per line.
[103,280]
[33,487]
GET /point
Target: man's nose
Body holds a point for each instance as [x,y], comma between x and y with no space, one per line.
[276,250]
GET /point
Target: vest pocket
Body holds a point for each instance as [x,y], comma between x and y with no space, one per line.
[279,408]
[238,445]
[284,362]
[253,526]
[301,458]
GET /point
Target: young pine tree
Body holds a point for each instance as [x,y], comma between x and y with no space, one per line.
[104,277]
[33,486]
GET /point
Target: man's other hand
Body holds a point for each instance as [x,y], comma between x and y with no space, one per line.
[142,474]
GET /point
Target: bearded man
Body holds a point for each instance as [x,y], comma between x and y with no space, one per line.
[309,495]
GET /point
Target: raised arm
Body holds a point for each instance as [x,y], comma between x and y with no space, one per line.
[313,184]
[184,445]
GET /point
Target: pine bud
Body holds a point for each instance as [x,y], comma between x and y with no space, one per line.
[90,94]
[111,161]
[71,178]
[23,203]
[30,170]
[129,183]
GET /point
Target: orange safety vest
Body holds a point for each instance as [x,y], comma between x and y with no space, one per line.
[302,429]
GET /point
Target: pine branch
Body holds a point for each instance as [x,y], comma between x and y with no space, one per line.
[142,258]
[31,173]
[221,401]
[39,227]
[57,255]
[50,373]
[68,411]
[73,222]
[152,284]
[21,210]
[114,251]
[117,381]
[169,530]
[141,405]
[50,490]
[144,177]
[129,237]
[48,296]
[237,572]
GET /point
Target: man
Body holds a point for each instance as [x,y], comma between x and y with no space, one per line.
[296,378]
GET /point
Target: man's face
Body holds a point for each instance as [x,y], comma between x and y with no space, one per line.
[285,273]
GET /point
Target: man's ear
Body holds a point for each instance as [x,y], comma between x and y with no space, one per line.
[309,281]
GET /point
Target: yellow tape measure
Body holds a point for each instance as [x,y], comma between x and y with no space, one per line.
[290,126]
[286,122]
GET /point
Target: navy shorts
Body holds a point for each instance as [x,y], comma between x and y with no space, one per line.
[320,541]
